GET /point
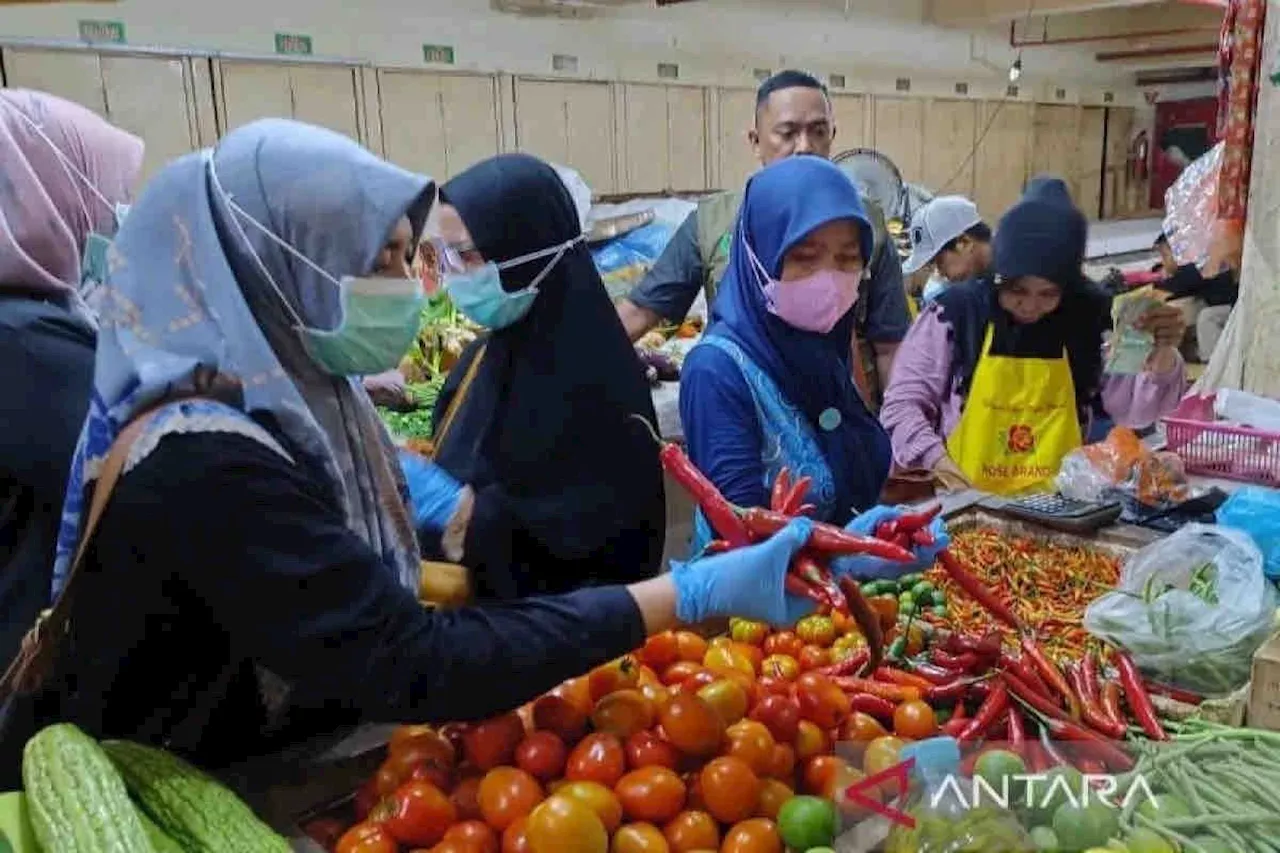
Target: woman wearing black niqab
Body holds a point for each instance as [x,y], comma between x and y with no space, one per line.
[565,479]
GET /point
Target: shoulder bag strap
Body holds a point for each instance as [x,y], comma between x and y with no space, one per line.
[437,440]
[39,647]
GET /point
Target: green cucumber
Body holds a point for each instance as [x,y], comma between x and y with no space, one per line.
[159,840]
[191,807]
[76,800]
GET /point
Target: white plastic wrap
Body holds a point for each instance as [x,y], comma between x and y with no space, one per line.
[1191,208]
[1192,609]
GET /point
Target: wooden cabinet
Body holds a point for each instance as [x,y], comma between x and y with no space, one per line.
[570,123]
[733,154]
[950,131]
[437,124]
[1003,158]
[324,95]
[898,133]
[664,134]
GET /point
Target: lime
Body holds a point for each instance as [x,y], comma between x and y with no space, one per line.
[1143,840]
[1081,827]
[1211,844]
[906,601]
[1044,838]
[1055,788]
[1163,807]
[997,767]
[806,822]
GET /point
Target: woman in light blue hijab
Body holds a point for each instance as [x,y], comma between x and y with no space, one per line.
[251,582]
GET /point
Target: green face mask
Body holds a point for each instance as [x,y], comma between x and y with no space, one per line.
[380,319]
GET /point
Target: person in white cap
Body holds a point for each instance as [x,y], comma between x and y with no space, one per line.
[949,233]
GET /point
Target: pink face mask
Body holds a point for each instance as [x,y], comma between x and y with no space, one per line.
[814,303]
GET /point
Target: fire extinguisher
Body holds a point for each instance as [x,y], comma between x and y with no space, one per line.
[1139,156]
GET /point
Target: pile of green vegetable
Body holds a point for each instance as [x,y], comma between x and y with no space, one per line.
[417,422]
[121,797]
[915,595]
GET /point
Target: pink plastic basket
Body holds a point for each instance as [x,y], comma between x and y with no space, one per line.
[1222,450]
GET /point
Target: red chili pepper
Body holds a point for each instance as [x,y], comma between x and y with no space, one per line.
[1017,730]
[1019,667]
[923,538]
[959,712]
[721,515]
[804,565]
[989,644]
[1089,678]
[933,673]
[801,588]
[1100,747]
[1051,674]
[979,690]
[1111,702]
[913,521]
[1135,695]
[716,546]
[1091,767]
[996,704]
[806,509]
[954,726]
[1175,693]
[794,498]
[889,675]
[866,618]
[1052,758]
[892,692]
[848,666]
[826,538]
[1090,709]
[1030,697]
[781,488]
[876,706]
[963,662]
[954,691]
[977,590]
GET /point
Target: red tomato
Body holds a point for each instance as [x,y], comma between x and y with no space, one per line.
[645,749]
[623,713]
[475,835]
[418,813]
[507,794]
[466,798]
[810,740]
[728,698]
[816,630]
[620,674]
[639,838]
[660,651]
[782,763]
[861,728]
[697,681]
[402,734]
[450,845]
[821,701]
[780,715]
[680,671]
[692,830]
[597,758]
[689,646]
[325,831]
[367,798]
[564,825]
[731,789]
[782,667]
[814,657]
[726,658]
[559,716]
[598,798]
[783,643]
[493,742]
[441,777]
[819,771]
[773,794]
[753,836]
[515,839]
[914,720]
[751,742]
[542,755]
[366,838]
[770,686]
[692,726]
[653,794]
[746,631]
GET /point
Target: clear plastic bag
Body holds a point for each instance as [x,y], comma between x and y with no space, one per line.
[1191,208]
[1192,609]
[1256,511]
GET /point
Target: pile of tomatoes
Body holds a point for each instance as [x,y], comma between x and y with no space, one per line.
[684,745]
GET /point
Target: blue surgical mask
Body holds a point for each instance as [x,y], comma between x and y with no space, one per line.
[380,315]
[478,292]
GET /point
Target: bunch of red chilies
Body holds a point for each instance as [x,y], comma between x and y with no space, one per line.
[1073,703]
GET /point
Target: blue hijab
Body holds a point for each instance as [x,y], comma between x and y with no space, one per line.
[783,204]
[194,305]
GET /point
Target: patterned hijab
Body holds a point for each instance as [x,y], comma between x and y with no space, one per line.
[191,294]
[62,171]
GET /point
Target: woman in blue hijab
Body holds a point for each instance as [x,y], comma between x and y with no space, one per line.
[771,385]
[252,579]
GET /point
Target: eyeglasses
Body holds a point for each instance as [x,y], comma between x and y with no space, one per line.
[445,257]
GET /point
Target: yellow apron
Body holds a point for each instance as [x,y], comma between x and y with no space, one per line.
[1018,422]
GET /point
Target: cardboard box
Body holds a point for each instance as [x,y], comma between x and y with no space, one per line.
[1264,689]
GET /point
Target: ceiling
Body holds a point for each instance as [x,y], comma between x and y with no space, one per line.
[1141,35]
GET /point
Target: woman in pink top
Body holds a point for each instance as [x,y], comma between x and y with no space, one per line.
[998,379]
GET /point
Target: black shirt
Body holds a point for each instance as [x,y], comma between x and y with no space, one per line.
[47,357]
[1187,280]
[221,573]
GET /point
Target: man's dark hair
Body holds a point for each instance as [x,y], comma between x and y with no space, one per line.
[980,232]
[789,79]
[1162,240]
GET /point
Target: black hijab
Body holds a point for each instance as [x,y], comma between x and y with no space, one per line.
[1044,235]
[548,414]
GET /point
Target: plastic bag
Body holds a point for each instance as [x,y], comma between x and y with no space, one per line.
[1192,609]
[1191,206]
[1121,462]
[1256,511]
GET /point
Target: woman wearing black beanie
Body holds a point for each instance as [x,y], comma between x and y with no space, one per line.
[996,382]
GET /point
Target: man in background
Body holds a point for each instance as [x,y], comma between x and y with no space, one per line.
[793,117]
[1205,302]
[949,233]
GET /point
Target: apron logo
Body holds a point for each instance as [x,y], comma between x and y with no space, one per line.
[1020,439]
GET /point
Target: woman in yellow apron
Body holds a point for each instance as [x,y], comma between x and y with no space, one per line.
[997,381]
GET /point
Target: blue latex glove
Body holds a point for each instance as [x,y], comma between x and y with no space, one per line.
[868,567]
[747,582]
[433,493]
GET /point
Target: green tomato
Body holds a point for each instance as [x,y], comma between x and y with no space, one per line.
[1080,827]
[939,596]
[923,591]
[906,601]
[805,822]
[1044,839]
